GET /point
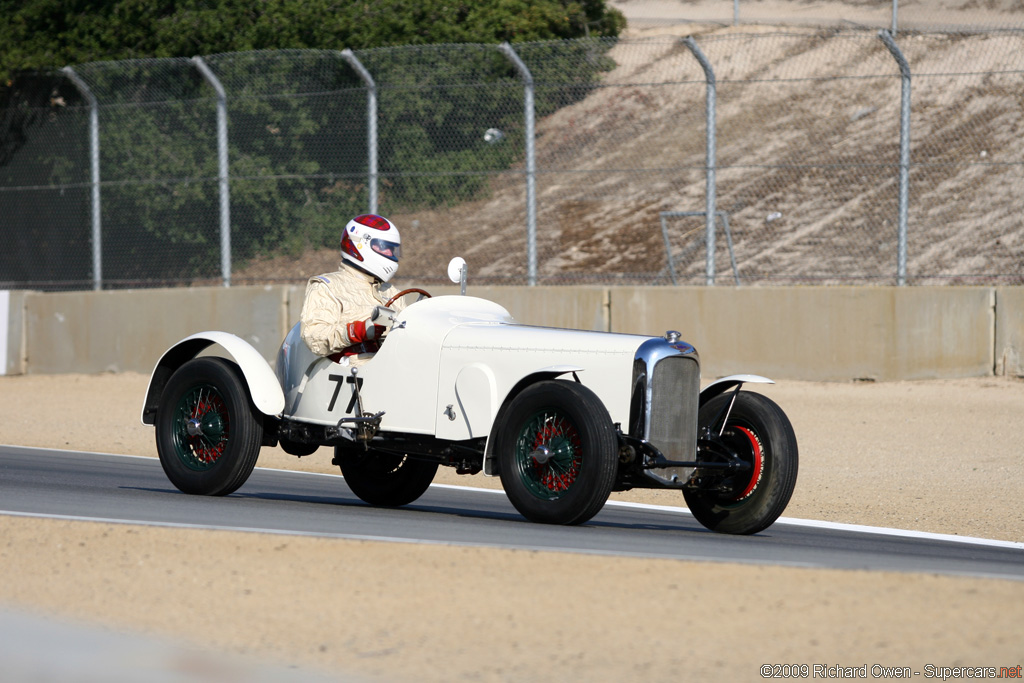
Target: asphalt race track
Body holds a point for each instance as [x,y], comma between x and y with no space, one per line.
[126,489]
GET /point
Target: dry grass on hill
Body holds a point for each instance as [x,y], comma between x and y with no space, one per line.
[808,130]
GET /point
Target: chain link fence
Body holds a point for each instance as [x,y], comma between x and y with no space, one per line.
[805,170]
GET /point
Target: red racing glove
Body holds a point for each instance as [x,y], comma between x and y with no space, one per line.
[364,330]
[373,327]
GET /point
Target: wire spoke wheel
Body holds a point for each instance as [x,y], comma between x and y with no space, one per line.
[549,454]
[208,433]
[557,452]
[201,428]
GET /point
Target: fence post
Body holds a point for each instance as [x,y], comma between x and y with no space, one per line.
[531,163]
[94,172]
[222,168]
[371,122]
[895,13]
[709,217]
[901,239]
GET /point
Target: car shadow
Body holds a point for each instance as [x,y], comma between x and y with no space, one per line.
[262,495]
[604,520]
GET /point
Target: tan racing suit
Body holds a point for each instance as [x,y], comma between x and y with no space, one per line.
[336,311]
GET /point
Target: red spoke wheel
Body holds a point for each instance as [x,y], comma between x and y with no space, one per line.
[760,434]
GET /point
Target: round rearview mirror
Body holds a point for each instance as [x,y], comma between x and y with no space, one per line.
[455,267]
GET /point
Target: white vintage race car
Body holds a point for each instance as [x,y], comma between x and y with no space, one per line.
[564,417]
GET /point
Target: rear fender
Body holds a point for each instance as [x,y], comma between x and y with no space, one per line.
[720,386]
[264,387]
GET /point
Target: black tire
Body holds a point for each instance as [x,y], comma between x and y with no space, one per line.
[568,419]
[760,433]
[384,479]
[208,432]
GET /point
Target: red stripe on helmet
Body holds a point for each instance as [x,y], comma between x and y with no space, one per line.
[372,221]
[349,248]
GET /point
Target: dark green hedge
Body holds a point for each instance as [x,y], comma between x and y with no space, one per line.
[45,34]
[296,116]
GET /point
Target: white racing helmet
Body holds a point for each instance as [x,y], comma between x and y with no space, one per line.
[372,243]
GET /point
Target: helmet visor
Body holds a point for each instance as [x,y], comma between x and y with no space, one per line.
[390,250]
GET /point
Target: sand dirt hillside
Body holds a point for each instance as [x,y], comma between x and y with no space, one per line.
[807,152]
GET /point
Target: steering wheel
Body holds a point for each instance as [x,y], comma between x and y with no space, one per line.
[412,290]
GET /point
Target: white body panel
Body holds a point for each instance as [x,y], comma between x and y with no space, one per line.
[400,380]
[479,366]
[459,351]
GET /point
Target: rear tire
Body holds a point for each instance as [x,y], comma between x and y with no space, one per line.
[384,479]
[208,432]
[567,425]
[759,433]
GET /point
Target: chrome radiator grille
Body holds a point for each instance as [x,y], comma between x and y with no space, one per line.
[672,427]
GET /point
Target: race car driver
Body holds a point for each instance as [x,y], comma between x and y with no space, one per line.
[344,314]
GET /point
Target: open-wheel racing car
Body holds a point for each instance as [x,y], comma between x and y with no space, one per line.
[564,417]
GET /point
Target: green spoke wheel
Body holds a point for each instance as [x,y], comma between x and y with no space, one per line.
[208,433]
[557,452]
[200,434]
[548,454]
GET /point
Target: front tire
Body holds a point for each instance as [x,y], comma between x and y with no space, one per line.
[384,479]
[208,434]
[761,435]
[557,452]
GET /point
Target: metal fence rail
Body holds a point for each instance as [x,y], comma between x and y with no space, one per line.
[835,156]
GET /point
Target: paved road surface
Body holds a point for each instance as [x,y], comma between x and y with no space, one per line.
[134,489]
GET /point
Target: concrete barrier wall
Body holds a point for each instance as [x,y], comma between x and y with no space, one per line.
[1009,334]
[129,330]
[821,333]
[812,333]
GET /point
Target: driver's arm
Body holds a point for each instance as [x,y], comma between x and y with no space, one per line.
[328,325]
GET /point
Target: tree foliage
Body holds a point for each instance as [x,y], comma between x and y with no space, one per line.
[296,112]
[47,34]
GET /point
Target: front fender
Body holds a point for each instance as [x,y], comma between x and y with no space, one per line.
[720,386]
[264,387]
[550,372]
